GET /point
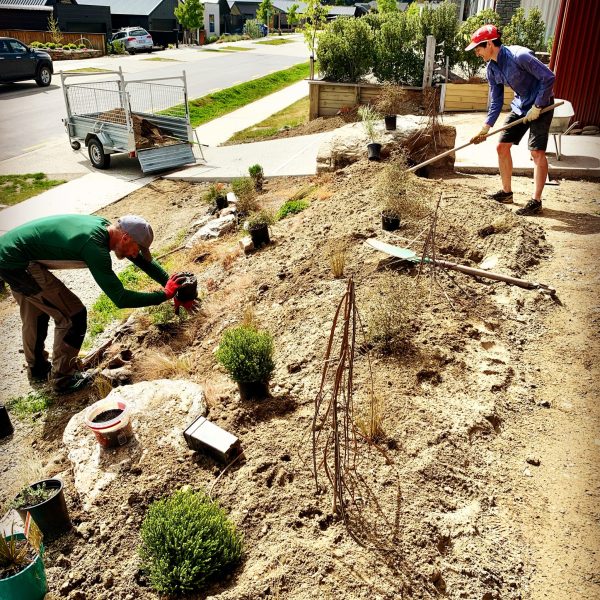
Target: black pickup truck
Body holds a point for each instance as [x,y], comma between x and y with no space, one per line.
[18,63]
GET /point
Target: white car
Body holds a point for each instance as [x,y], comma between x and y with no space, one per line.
[135,39]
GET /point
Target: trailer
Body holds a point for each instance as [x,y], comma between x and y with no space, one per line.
[145,118]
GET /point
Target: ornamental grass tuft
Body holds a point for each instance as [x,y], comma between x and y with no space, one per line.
[187,540]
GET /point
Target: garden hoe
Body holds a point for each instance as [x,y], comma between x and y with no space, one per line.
[517,122]
[410,256]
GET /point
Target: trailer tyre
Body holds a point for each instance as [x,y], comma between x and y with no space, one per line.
[75,145]
[97,156]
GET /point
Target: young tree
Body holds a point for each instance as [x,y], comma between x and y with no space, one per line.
[265,12]
[315,17]
[54,29]
[190,14]
[387,6]
[292,16]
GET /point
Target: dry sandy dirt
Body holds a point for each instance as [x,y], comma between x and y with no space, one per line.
[484,484]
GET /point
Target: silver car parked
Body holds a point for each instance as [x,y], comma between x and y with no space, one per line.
[134,39]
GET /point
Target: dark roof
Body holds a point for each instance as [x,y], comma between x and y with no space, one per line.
[126,7]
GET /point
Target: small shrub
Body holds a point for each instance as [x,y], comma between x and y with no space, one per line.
[245,191]
[258,175]
[36,45]
[51,45]
[391,100]
[369,116]
[370,419]
[118,47]
[550,44]
[247,354]
[13,552]
[82,46]
[212,39]
[345,50]
[31,496]
[253,29]
[397,189]
[164,314]
[291,207]
[187,540]
[337,257]
[215,191]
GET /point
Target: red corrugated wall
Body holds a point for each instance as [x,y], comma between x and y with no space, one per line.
[576,58]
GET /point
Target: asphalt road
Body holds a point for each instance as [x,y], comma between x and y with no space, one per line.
[31,117]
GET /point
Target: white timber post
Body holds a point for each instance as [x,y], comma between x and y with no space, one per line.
[429,62]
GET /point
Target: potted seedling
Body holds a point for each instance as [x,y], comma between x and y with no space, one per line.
[247,355]
[258,226]
[217,195]
[369,117]
[22,573]
[389,103]
[258,175]
[6,427]
[390,215]
[45,500]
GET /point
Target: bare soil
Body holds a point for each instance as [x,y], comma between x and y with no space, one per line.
[484,484]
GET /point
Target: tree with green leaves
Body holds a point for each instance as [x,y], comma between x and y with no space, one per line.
[315,17]
[292,17]
[442,24]
[190,14]
[469,60]
[54,29]
[265,11]
[387,6]
[527,31]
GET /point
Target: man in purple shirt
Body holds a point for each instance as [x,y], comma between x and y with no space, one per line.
[532,83]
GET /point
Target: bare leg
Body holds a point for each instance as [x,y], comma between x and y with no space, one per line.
[540,172]
[505,164]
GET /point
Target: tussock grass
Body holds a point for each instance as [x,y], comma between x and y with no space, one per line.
[369,421]
[336,252]
[504,223]
[163,363]
[16,188]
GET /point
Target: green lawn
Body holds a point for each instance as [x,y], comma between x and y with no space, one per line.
[276,42]
[225,101]
[162,59]
[235,48]
[87,70]
[16,188]
[292,116]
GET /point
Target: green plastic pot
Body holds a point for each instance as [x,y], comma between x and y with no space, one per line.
[28,584]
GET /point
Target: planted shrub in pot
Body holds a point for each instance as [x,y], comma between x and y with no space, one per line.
[245,193]
[247,355]
[187,540]
[389,103]
[22,573]
[258,226]
[45,500]
[369,117]
[258,176]
[217,195]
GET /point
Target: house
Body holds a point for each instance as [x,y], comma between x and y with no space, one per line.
[156,16]
[216,17]
[72,17]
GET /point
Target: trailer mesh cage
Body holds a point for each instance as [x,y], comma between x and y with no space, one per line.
[106,101]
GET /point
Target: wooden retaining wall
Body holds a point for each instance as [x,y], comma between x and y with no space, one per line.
[464,97]
[97,40]
[327,97]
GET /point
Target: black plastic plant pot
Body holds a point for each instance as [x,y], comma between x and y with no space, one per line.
[389,223]
[253,390]
[6,427]
[260,236]
[221,202]
[390,122]
[51,515]
[374,151]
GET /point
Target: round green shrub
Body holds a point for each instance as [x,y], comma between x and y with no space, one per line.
[345,50]
[247,354]
[187,539]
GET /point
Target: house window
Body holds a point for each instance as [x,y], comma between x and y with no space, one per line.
[211,23]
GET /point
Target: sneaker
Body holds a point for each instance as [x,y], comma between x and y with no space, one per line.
[39,373]
[75,383]
[501,196]
[533,207]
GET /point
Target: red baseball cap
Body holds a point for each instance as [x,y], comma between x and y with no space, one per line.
[487,33]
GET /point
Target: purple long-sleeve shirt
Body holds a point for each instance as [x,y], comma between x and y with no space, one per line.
[529,78]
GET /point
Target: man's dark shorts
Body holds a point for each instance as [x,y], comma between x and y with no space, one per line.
[538,131]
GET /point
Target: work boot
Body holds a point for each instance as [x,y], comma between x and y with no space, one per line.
[501,196]
[533,207]
[75,383]
[39,372]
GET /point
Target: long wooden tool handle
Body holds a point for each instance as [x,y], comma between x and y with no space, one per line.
[517,122]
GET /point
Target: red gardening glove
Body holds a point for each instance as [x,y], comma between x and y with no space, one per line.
[173,284]
[191,306]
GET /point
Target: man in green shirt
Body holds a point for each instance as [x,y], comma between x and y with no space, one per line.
[28,252]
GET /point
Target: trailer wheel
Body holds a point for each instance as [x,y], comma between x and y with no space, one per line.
[97,156]
[75,145]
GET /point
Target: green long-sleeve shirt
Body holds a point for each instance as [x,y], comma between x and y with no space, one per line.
[78,238]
